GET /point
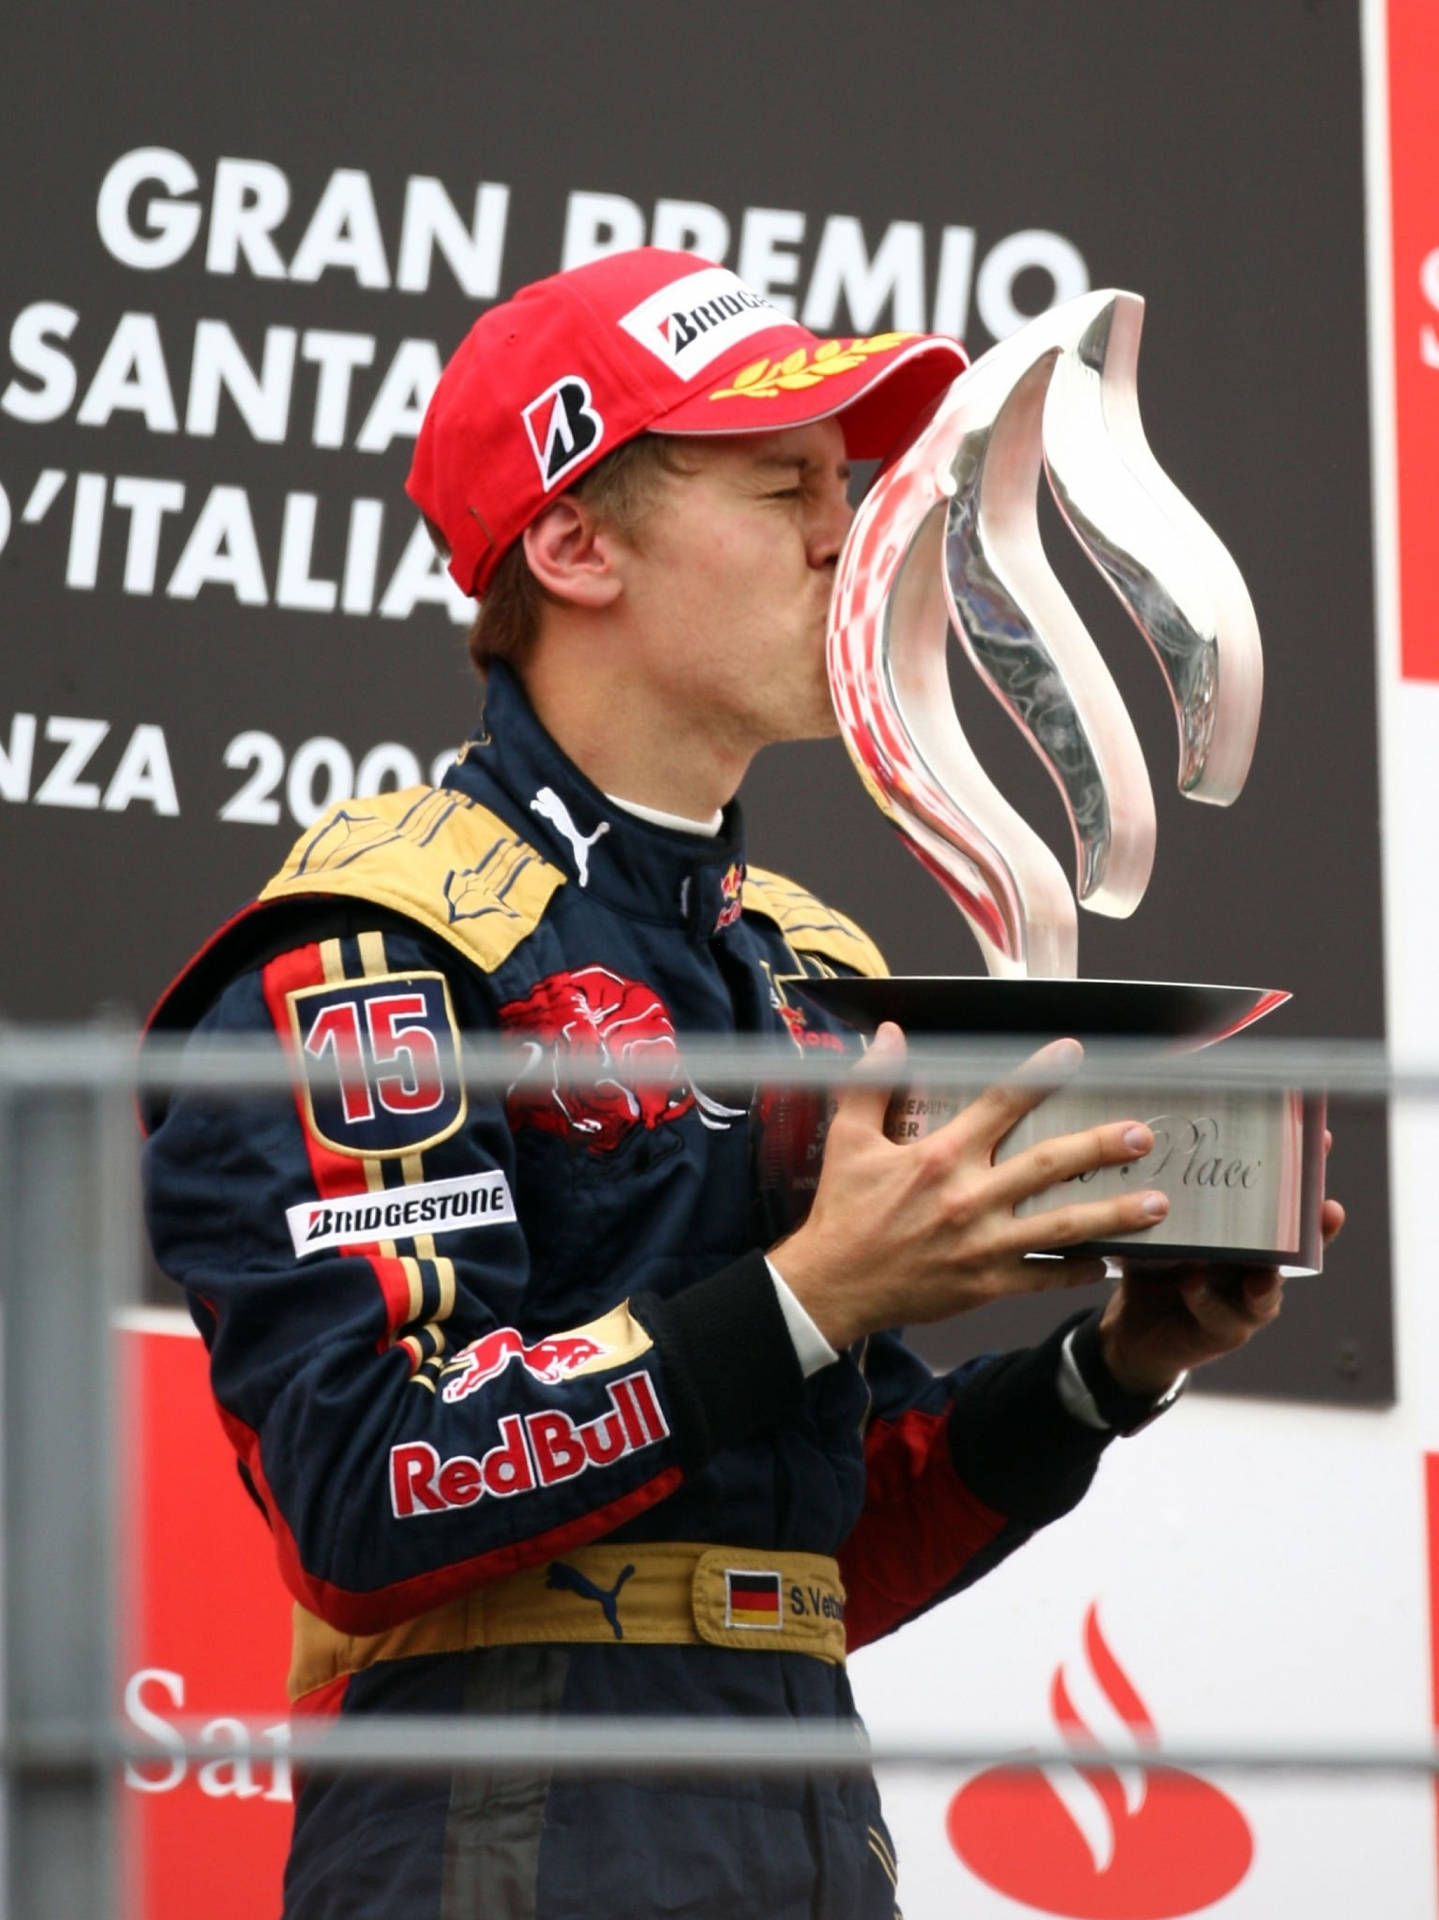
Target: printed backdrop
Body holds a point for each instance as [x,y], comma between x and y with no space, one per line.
[230,288]
[239,248]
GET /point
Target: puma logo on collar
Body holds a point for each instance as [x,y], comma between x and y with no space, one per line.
[549,806]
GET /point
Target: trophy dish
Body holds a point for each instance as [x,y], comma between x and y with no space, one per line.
[947,540]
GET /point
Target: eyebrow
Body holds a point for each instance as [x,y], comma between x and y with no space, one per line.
[801,463]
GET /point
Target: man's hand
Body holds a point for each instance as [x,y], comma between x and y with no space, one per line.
[1163,1321]
[904,1234]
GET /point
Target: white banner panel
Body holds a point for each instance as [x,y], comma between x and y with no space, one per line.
[1246,1575]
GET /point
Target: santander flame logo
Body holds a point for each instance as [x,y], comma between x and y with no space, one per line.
[1102,1842]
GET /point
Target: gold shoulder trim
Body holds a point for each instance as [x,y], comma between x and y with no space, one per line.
[808,925]
[434,856]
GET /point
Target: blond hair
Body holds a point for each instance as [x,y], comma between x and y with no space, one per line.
[621,489]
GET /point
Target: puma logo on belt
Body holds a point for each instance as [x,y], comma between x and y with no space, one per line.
[569,1579]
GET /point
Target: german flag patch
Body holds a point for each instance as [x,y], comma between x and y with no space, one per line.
[752,1600]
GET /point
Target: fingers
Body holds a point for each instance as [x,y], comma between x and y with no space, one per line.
[867,1093]
[1066,1270]
[1229,1308]
[991,1115]
[1263,1295]
[1331,1214]
[1071,1225]
[1066,1155]
[1015,1275]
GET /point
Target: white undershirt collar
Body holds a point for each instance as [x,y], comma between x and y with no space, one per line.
[676,822]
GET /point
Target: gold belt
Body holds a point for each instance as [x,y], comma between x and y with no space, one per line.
[674,1593]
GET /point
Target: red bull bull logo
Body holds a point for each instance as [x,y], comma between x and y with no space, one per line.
[731,889]
[593,1019]
[551,1360]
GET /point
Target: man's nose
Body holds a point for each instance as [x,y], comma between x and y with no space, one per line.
[832,523]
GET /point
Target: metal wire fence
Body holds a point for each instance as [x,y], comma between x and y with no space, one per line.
[69,1266]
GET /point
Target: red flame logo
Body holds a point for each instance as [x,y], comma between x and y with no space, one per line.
[1101,1842]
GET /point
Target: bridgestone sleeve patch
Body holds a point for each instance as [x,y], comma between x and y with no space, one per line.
[399,1213]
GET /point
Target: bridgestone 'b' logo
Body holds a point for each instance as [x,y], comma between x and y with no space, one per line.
[563,426]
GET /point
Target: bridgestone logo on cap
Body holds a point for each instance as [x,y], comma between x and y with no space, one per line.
[399,1213]
[564,427]
[693,320]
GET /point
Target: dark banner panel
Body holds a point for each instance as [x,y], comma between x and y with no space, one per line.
[231,282]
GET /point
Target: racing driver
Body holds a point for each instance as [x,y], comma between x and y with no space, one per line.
[545,1415]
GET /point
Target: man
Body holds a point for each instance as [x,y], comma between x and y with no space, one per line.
[543,1413]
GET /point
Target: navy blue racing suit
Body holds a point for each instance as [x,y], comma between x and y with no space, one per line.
[454,1336]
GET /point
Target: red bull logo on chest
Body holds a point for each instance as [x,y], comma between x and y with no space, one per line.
[731,890]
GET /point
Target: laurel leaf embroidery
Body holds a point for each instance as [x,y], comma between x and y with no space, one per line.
[747,376]
[763,379]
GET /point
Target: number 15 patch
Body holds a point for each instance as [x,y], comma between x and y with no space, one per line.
[381,1063]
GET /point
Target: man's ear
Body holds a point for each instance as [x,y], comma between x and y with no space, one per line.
[573,555]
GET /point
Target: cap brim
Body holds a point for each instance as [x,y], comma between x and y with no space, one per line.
[878,386]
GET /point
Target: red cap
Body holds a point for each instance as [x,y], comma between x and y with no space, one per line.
[547,383]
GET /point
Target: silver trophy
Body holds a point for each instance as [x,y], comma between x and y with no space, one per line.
[948,540]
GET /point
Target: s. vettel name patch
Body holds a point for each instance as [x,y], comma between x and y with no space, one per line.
[399,1213]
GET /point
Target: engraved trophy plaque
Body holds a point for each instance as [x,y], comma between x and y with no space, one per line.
[947,540]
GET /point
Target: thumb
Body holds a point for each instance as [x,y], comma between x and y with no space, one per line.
[870,1088]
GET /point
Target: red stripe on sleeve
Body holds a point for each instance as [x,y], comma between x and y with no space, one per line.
[337,1176]
[394,1285]
[373,1612]
[920,1526]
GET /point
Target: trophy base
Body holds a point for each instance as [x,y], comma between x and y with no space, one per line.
[1243,1169]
